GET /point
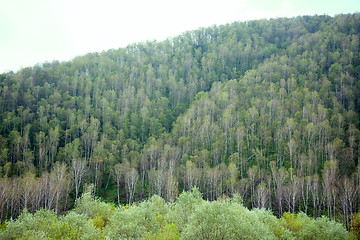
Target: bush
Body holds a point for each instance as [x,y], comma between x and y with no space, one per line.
[168,232]
[190,217]
[126,223]
[184,207]
[226,220]
[76,226]
[304,227]
[31,226]
[92,207]
[323,228]
[292,222]
[355,226]
[44,224]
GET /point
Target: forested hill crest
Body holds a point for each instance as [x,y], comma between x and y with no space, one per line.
[268,109]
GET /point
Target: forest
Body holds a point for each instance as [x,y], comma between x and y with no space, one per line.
[261,118]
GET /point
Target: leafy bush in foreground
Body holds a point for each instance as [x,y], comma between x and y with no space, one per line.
[44,224]
[189,217]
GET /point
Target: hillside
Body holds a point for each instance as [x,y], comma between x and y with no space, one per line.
[267,109]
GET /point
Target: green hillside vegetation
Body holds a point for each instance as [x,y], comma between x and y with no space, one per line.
[266,111]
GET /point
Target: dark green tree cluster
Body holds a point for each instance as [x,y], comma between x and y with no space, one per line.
[267,109]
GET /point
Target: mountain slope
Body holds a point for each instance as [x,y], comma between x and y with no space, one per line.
[268,109]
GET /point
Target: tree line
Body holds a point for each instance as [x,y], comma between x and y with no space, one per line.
[267,109]
[189,217]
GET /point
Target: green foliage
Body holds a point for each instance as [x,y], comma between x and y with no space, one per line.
[184,207]
[167,232]
[226,220]
[133,221]
[304,227]
[199,109]
[76,226]
[355,225]
[293,222]
[275,224]
[44,224]
[28,224]
[126,223]
[90,206]
[323,228]
[155,212]
[156,219]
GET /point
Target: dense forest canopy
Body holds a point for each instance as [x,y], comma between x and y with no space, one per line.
[266,109]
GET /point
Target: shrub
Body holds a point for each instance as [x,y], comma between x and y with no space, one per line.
[226,220]
[93,208]
[31,226]
[184,207]
[292,222]
[355,225]
[126,224]
[168,232]
[304,227]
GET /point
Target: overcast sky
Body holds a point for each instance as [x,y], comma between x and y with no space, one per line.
[35,31]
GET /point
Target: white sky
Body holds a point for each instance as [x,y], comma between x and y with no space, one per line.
[35,31]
